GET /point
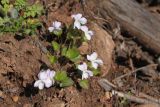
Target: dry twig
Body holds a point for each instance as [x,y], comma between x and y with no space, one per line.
[108,86]
[130,73]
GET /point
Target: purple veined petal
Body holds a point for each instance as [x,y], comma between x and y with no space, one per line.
[47,83]
[51,74]
[90,73]
[83,20]
[51,29]
[94,65]
[77,25]
[36,84]
[84,29]
[42,75]
[48,72]
[41,85]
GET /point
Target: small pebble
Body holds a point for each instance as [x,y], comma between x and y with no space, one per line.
[2,95]
[15,98]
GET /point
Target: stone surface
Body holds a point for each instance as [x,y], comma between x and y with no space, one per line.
[103,44]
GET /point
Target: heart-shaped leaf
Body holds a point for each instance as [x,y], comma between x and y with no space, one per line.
[84,84]
[96,72]
[64,51]
[67,82]
[61,76]
[73,54]
[55,46]
[53,59]
[57,32]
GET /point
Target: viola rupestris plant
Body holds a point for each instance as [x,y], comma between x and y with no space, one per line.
[19,17]
[65,45]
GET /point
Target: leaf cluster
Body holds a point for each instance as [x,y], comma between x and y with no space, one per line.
[66,44]
[20,17]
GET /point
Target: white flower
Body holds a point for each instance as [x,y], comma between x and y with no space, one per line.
[85,73]
[46,78]
[79,20]
[88,33]
[56,26]
[94,60]
[39,84]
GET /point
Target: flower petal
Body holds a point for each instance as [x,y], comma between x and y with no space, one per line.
[84,75]
[84,29]
[90,73]
[99,61]
[83,20]
[48,82]
[77,25]
[94,65]
[92,57]
[82,67]
[88,36]
[77,16]
[36,84]
[51,29]
[57,25]
[41,85]
[90,33]
[50,73]
[42,75]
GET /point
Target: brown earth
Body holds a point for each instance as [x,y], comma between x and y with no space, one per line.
[21,60]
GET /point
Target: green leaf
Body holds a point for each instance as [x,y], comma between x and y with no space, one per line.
[27,31]
[67,82]
[73,54]
[55,46]
[33,11]
[57,32]
[64,51]
[20,4]
[53,59]
[2,12]
[73,33]
[96,72]
[61,76]
[4,2]
[84,84]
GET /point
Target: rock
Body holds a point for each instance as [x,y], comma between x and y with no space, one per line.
[15,98]
[2,95]
[103,44]
[83,48]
